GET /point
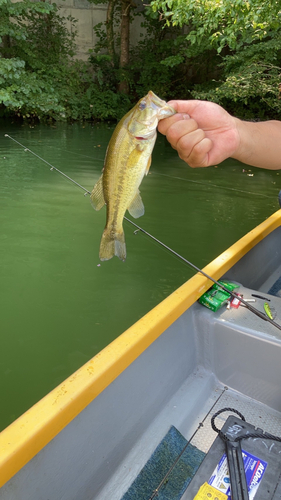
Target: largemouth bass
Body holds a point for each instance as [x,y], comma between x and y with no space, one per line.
[127,160]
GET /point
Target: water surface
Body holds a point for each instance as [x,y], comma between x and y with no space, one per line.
[59,304]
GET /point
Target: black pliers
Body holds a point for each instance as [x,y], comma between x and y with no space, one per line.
[232,438]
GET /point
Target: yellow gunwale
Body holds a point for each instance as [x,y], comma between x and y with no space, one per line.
[25,437]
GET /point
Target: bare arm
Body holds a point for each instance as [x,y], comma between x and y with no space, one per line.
[259,144]
[204,134]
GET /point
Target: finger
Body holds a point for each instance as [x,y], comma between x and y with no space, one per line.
[185,106]
[181,134]
[166,123]
[199,155]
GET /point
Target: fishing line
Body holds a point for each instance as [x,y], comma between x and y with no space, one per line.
[176,254]
[77,154]
[153,172]
[212,185]
[47,163]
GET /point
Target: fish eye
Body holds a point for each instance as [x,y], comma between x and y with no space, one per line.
[142,105]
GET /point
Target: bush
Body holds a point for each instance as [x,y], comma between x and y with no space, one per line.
[39,78]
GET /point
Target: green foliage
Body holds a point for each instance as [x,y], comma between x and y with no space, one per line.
[165,61]
[160,61]
[38,76]
[104,72]
[225,51]
[223,23]
[26,30]
[83,99]
[250,86]
[150,68]
[25,92]
[246,36]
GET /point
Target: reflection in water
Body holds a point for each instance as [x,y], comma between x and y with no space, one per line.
[59,304]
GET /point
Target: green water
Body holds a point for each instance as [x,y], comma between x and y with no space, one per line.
[59,304]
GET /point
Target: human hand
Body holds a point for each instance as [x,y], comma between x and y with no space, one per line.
[202,132]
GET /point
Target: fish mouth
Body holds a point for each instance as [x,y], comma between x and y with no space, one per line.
[151,123]
[164,109]
[145,119]
[147,136]
[159,113]
[167,111]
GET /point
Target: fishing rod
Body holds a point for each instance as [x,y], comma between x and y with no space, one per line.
[86,192]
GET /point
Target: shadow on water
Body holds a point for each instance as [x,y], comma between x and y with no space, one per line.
[59,304]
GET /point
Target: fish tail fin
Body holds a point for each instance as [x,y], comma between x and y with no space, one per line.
[112,244]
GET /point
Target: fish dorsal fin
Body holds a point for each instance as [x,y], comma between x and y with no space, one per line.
[97,198]
[136,208]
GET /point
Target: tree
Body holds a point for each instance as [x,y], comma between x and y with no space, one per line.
[247,37]
[225,23]
[118,20]
[251,81]
[35,42]
[126,6]
[39,79]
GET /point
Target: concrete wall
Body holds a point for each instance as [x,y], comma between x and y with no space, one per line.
[88,15]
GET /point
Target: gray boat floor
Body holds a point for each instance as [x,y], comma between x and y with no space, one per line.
[192,418]
[273,284]
[201,395]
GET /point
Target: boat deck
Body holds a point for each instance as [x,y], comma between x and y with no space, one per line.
[236,379]
[272,285]
[257,414]
[204,362]
[190,410]
[244,319]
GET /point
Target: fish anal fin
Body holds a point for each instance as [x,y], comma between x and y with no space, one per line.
[97,198]
[112,244]
[136,208]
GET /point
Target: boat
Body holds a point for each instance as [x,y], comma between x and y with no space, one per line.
[162,384]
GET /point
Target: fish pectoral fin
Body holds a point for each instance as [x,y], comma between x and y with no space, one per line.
[136,208]
[135,157]
[97,198]
[148,165]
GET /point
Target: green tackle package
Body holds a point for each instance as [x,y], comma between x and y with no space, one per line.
[227,284]
[216,297]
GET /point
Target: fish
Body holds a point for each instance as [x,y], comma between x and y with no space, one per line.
[127,161]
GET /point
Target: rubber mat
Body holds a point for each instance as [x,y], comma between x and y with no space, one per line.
[276,288]
[161,461]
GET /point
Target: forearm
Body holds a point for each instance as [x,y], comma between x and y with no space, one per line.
[259,144]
